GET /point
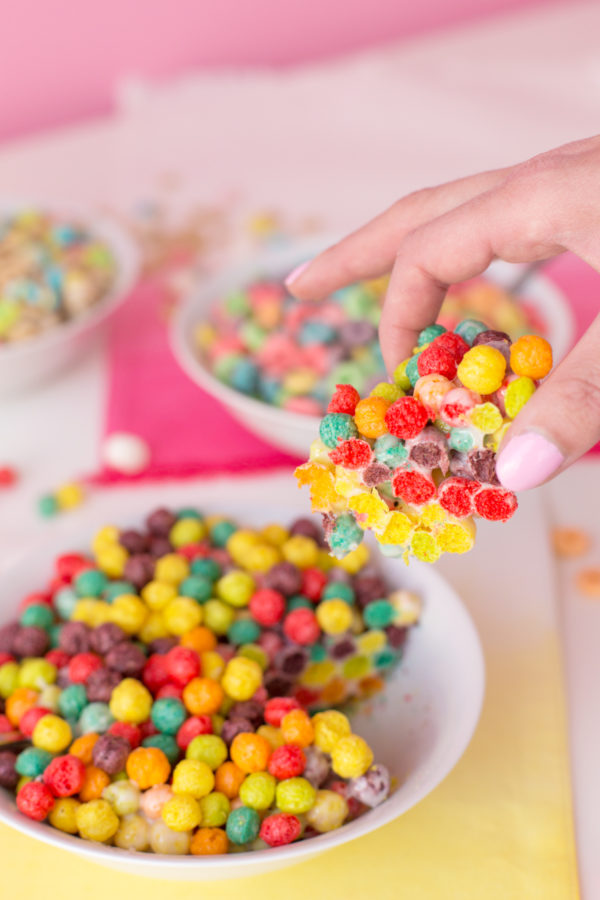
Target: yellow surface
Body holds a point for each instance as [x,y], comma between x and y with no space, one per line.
[498,828]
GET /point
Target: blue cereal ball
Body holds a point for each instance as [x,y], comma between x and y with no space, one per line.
[244,377]
[390,450]
[429,334]
[346,535]
[315,332]
[412,371]
[269,389]
[337,427]
[468,330]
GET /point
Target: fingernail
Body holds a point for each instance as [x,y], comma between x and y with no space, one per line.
[529,459]
[297,272]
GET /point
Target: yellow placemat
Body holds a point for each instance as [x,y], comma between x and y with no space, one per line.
[499,827]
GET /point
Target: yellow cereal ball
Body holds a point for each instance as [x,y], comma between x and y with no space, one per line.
[424,546]
[153,628]
[261,558]
[128,612]
[236,588]
[482,369]
[242,678]
[531,356]
[49,697]
[218,616]
[187,531]
[181,615]
[70,495]
[318,674]
[164,840]
[111,560]
[171,568]
[63,814]
[330,810]
[258,790]
[457,537]
[105,537]
[486,417]
[272,735]
[181,813]
[133,833]
[9,679]
[51,733]
[389,392]
[157,594]
[329,727]
[91,612]
[295,795]
[407,607]
[193,777]
[517,394]
[213,664]
[325,561]
[36,673]
[301,551]
[240,542]
[334,616]
[130,701]
[275,534]
[96,820]
[400,376]
[351,756]
[355,560]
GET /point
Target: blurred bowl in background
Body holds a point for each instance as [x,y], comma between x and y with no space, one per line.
[293,431]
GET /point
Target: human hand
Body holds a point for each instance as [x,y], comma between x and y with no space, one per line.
[442,235]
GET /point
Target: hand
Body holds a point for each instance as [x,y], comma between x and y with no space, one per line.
[439,236]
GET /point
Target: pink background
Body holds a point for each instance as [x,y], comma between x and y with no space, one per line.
[61,58]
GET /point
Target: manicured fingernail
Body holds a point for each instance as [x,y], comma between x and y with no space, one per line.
[297,272]
[528,460]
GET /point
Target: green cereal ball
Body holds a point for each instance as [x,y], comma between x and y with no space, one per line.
[385,658]
[429,334]
[468,330]
[224,366]
[388,392]
[168,714]
[95,717]
[378,614]
[243,631]
[237,304]
[197,587]
[318,653]
[335,427]
[346,535]
[337,590]
[460,439]
[164,742]
[188,512]
[37,614]
[33,761]
[117,589]
[298,601]
[215,808]
[206,567]
[412,371]
[47,506]
[243,825]
[54,632]
[72,701]
[256,653]
[65,602]
[90,583]
[221,532]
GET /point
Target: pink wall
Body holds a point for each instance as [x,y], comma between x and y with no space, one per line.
[60,58]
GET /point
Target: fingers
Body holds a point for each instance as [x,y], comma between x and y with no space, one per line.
[560,422]
[370,251]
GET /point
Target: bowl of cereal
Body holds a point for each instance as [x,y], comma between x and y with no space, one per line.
[62,274]
[274,362]
[157,739]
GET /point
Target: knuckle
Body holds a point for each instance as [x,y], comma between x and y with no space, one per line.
[579,397]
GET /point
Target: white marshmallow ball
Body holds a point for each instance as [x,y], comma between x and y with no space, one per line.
[125,453]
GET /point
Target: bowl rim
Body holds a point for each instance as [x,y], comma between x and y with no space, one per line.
[368,822]
[127,257]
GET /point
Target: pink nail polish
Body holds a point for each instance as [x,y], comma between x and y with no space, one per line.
[297,272]
[528,460]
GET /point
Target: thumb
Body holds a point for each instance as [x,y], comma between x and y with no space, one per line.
[560,422]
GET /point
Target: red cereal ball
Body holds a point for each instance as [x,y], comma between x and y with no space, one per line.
[29,719]
[5,724]
[344,400]
[453,343]
[436,360]
[278,707]
[58,657]
[155,674]
[191,728]
[455,495]
[413,487]
[406,418]
[313,584]
[306,697]
[81,667]
[301,626]
[64,775]
[35,800]
[280,829]
[8,476]
[127,730]
[169,690]
[182,665]
[37,598]
[352,454]
[69,565]
[495,504]
[194,551]
[287,761]
[6,657]
[267,606]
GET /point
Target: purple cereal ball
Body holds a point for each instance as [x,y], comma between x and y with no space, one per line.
[162,645]
[369,587]
[339,576]
[133,541]
[8,774]
[306,528]
[126,658]
[342,648]
[459,465]
[160,546]
[31,641]
[277,685]
[357,332]
[101,684]
[105,637]
[250,710]
[499,340]
[8,634]
[232,727]
[110,753]
[160,522]
[372,788]
[376,474]
[139,569]
[292,660]
[483,465]
[317,766]
[75,637]
[396,636]
[62,678]
[284,577]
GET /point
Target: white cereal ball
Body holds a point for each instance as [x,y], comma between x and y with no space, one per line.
[125,453]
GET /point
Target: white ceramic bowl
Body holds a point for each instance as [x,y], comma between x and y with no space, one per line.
[293,431]
[30,362]
[419,727]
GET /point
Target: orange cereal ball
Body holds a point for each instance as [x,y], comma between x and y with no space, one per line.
[83,746]
[94,782]
[531,356]
[229,779]
[203,696]
[297,728]
[18,703]
[369,416]
[209,842]
[200,639]
[147,766]
[250,752]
